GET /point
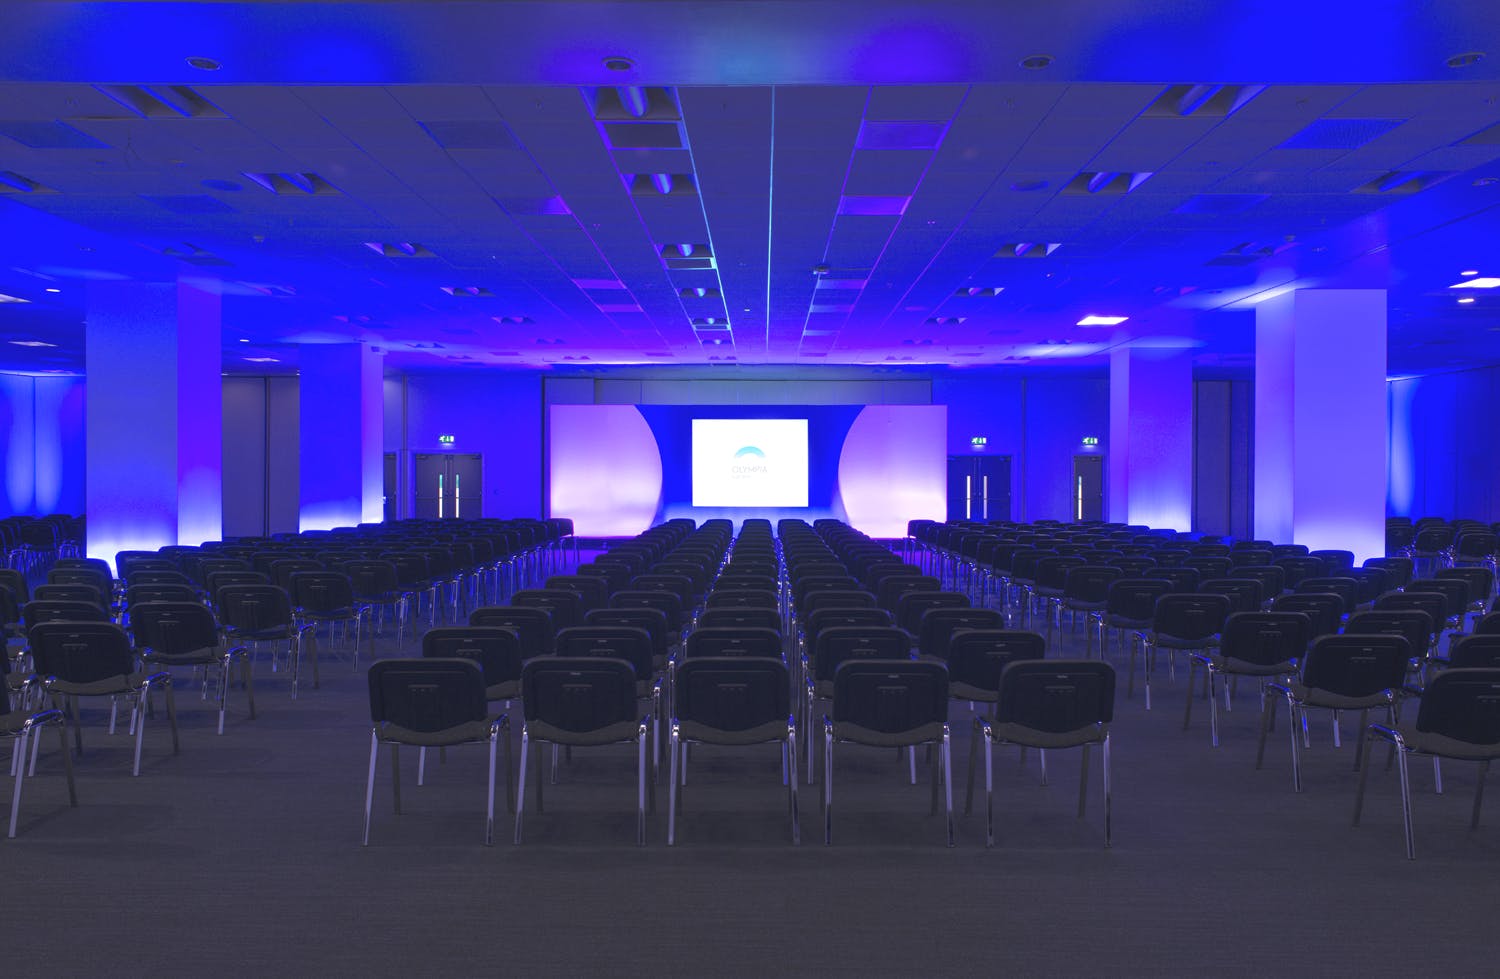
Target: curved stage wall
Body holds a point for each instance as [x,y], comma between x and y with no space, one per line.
[618,469]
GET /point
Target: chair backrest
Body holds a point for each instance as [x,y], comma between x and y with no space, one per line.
[322,592]
[620,642]
[913,605]
[839,644]
[1347,589]
[80,652]
[1416,625]
[427,695]
[890,589]
[254,608]
[890,696]
[1356,665]
[497,650]
[734,617]
[705,641]
[373,580]
[1272,579]
[731,693]
[1398,569]
[157,576]
[939,624]
[1324,609]
[666,602]
[566,606]
[1183,579]
[283,568]
[1464,705]
[1489,625]
[532,625]
[1265,638]
[1475,652]
[173,627]
[578,694]
[1056,696]
[835,598]
[1134,599]
[34,613]
[1481,581]
[1090,583]
[78,591]
[1297,568]
[1335,561]
[676,585]
[15,580]
[593,590]
[100,583]
[976,657]
[1190,616]
[1052,571]
[1455,593]
[742,598]
[1209,566]
[1244,593]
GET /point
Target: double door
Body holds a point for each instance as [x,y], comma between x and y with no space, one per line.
[978,487]
[448,485]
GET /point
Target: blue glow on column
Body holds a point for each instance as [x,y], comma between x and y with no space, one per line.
[18,441]
[200,416]
[59,444]
[341,418]
[1321,420]
[1150,447]
[1401,478]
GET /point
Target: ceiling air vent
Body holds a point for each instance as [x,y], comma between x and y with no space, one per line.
[1401,182]
[975,292]
[945,320]
[687,256]
[469,292]
[1202,101]
[193,255]
[1339,134]
[699,292]
[399,249]
[627,102]
[1110,183]
[513,320]
[294,184]
[163,101]
[13,183]
[1248,253]
[1027,249]
[663,185]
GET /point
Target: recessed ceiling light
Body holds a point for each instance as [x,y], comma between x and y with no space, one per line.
[1466,59]
[1469,272]
[1482,282]
[1092,320]
[1024,186]
[261,360]
[12,299]
[204,64]
[32,343]
[243,340]
[1464,300]
[52,289]
[619,64]
[1036,62]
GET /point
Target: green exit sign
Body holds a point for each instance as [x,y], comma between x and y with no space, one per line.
[979,440]
[446,439]
[1090,440]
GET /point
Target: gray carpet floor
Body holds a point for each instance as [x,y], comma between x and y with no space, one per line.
[242,856]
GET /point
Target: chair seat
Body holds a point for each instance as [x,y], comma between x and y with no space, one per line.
[460,734]
[208,656]
[1429,743]
[1228,664]
[843,731]
[1121,622]
[1315,697]
[509,690]
[1032,738]
[760,734]
[262,635]
[613,734]
[125,683]
[1079,605]
[1167,641]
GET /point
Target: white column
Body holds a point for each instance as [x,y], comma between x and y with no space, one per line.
[1150,448]
[341,413]
[1320,420]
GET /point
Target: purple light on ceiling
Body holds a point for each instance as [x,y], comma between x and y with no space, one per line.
[851,204]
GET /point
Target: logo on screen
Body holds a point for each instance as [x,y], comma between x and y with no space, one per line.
[749,467]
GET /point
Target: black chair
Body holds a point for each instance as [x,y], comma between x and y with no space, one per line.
[497,650]
[532,625]
[733,617]
[1415,624]
[432,703]
[730,642]
[566,607]
[1475,651]
[582,702]
[890,704]
[1272,579]
[742,598]
[1347,589]
[377,585]
[1086,590]
[913,605]
[836,644]
[939,625]
[1047,704]
[735,701]
[1128,607]
[650,619]
[169,634]
[263,613]
[977,657]
[160,592]
[1458,718]
[94,659]
[73,591]
[1257,644]
[20,726]
[1244,593]
[1324,610]
[628,643]
[1339,673]
[327,598]
[1181,620]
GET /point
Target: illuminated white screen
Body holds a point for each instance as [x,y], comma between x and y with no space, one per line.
[750,462]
